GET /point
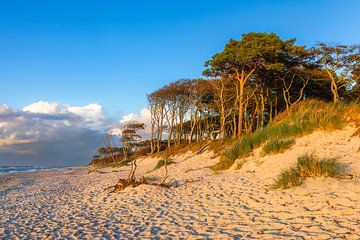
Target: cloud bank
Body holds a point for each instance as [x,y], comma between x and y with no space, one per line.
[52,134]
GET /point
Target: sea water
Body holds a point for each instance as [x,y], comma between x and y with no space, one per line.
[14,169]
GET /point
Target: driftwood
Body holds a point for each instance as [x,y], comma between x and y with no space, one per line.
[124,183]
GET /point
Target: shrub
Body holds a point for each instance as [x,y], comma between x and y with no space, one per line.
[162,162]
[307,166]
[277,145]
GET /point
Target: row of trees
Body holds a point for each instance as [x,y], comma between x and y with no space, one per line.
[130,140]
[247,85]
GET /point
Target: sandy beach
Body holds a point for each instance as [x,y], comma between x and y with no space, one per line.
[236,204]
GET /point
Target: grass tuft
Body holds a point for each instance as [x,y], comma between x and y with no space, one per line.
[152,179]
[276,145]
[161,163]
[307,166]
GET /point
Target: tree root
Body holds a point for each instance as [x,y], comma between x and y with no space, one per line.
[125,183]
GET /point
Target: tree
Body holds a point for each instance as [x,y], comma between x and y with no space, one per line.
[240,59]
[339,61]
[110,149]
[354,91]
[223,99]
[130,139]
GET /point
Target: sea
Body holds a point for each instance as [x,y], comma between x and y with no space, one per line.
[13,169]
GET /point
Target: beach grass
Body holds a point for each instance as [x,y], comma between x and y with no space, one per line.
[162,162]
[309,165]
[302,119]
[276,145]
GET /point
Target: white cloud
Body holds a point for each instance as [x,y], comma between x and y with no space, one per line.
[143,117]
[115,131]
[44,107]
[92,115]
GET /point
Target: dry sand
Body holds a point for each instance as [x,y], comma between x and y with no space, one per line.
[236,204]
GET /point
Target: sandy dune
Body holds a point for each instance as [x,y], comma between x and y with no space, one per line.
[236,204]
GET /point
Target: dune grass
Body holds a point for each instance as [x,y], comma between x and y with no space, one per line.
[276,145]
[152,179]
[307,166]
[114,164]
[300,120]
[161,163]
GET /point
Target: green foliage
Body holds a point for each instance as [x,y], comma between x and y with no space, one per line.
[277,145]
[115,164]
[307,166]
[124,162]
[162,162]
[289,178]
[311,166]
[300,120]
[260,49]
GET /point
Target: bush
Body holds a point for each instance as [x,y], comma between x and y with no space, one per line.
[162,162]
[277,145]
[307,166]
[300,120]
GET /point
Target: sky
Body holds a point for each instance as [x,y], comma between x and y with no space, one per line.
[77,68]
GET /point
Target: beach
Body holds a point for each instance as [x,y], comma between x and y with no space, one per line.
[235,204]
[180,120]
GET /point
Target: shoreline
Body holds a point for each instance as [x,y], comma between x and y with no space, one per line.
[35,170]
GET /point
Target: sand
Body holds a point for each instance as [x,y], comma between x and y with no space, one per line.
[236,204]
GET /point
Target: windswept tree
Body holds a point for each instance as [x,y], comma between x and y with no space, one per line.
[339,62]
[110,149]
[240,59]
[131,139]
[157,111]
[223,98]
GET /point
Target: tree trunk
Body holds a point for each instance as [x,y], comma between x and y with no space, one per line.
[240,116]
[334,91]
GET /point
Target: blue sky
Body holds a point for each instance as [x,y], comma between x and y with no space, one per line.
[71,69]
[115,52]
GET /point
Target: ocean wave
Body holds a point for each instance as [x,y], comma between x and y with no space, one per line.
[15,169]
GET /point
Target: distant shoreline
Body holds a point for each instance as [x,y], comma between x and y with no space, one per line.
[7,170]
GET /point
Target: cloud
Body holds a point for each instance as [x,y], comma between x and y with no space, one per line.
[45,133]
[43,107]
[92,115]
[143,117]
[53,134]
